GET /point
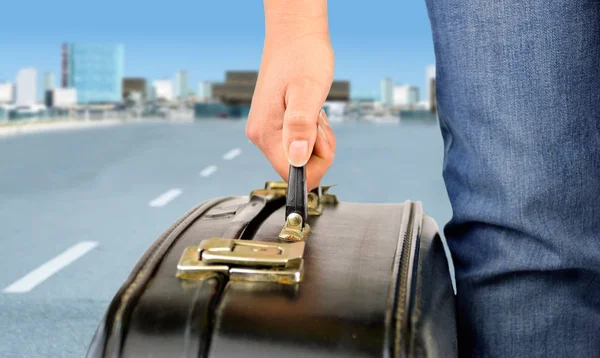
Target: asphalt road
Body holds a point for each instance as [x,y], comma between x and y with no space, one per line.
[79,207]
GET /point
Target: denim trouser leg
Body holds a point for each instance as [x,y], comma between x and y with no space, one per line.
[518,88]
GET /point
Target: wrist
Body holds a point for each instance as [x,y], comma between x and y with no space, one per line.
[289,19]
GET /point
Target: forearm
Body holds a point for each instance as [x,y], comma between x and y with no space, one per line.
[288,19]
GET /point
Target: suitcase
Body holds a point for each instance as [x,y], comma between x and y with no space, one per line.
[364,280]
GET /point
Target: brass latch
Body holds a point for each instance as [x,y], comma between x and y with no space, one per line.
[244,260]
[272,188]
[294,229]
[316,198]
[319,197]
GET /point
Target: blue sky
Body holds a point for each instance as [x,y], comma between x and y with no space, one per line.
[371,39]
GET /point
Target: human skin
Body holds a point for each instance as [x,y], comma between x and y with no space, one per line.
[286,121]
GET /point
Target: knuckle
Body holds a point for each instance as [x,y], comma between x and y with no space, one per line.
[328,157]
[253,132]
[297,121]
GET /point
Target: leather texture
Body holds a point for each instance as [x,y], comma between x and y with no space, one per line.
[376,284]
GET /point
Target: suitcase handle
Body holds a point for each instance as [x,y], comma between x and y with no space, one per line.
[296,227]
[297,196]
[296,207]
[317,198]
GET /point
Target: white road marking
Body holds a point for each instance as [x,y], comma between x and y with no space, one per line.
[232,154]
[208,171]
[37,276]
[165,198]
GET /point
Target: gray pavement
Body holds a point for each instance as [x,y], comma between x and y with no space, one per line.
[58,189]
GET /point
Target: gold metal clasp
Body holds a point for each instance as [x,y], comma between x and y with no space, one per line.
[294,229]
[244,260]
[272,188]
[316,198]
[319,197]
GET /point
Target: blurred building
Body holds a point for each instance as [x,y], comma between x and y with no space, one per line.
[238,88]
[26,87]
[95,71]
[61,98]
[432,96]
[387,92]
[423,104]
[150,92]
[162,90]
[7,93]
[220,110]
[204,91]
[430,87]
[134,86]
[181,85]
[135,97]
[339,91]
[335,110]
[406,96]
[48,81]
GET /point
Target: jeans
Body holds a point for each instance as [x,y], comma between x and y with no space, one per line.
[518,99]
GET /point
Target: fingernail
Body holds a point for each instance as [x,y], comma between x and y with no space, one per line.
[321,131]
[298,153]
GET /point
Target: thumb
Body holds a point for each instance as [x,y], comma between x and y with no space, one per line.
[303,103]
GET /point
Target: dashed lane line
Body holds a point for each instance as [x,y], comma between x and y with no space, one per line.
[208,171]
[165,198]
[232,154]
[42,273]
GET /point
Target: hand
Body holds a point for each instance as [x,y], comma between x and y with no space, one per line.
[286,121]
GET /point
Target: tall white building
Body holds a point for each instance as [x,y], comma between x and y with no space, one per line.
[26,87]
[387,92]
[7,93]
[181,85]
[429,85]
[64,97]
[204,91]
[163,89]
[406,96]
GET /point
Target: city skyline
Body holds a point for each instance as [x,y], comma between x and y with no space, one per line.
[373,92]
[179,80]
[391,39]
[106,60]
[391,93]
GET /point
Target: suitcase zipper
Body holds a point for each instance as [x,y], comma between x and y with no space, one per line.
[405,285]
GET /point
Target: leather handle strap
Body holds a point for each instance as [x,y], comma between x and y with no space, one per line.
[297,196]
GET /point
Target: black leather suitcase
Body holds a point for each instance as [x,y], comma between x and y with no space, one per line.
[368,280]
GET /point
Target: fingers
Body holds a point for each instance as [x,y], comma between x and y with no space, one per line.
[323,153]
[327,133]
[303,102]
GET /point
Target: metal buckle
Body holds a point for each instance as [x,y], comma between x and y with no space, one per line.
[244,260]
